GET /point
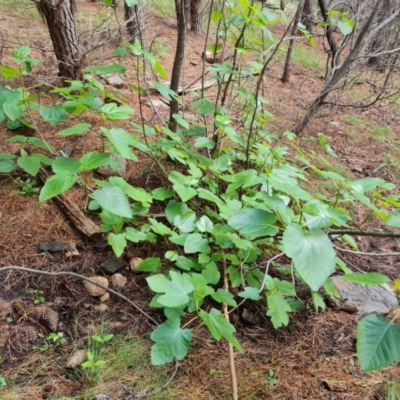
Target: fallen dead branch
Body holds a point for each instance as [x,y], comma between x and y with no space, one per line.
[78,218]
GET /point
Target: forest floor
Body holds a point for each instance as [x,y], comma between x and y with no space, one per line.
[313,357]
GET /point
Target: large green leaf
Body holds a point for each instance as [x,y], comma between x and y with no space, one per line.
[195,243]
[151,264]
[115,113]
[278,309]
[370,278]
[65,165]
[121,140]
[135,193]
[312,253]
[74,129]
[114,200]
[30,164]
[117,242]
[378,342]
[56,184]
[7,166]
[54,114]
[176,290]
[220,327]
[108,69]
[253,222]
[94,159]
[13,111]
[171,342]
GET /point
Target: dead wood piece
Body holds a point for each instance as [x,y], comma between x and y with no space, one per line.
[78,218]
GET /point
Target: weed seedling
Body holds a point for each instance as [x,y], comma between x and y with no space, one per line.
[26,188]
[95,356]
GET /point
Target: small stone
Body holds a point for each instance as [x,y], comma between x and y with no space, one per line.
[112,265]
[52,246]
[158,105]
[94,290]
[100,307]
[105,297]
[134,262]
[117,168]
[114,80]
[118,281]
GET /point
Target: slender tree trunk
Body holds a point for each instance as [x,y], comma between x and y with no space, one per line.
[134,17]
[329,34]
[341,71]
[182,13]
[286,72]
[195,16]
[59,16]
[307,18]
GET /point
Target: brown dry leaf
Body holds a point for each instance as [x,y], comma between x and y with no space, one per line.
[76,359]
[71,250]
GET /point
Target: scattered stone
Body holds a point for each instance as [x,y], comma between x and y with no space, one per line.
[212,58]
[105,297]
[52,246]
[100,307]
[101,396]
[368,299]
[71,250]
[112,266]
[77,358]
[114,80]
[114,170]
[134,262]
[158,105]
[93,290]
[249,316]
[118,281]
[335,123]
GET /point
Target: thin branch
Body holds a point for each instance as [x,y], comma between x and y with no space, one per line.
[364,233]
[230,346]
[361,253]
[267,268]
[64,273]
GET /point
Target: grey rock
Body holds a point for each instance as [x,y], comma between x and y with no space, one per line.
[368,299]
[112,266]
[114,80]
[106,170]
[52,246]
[159,105]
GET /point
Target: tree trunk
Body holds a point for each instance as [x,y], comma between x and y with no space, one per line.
[282,5]
[134,17]
[59,16]
[195,16]
[182,13]
[307,18]
[382,42]
[286,72]
[342,70]
[329,34]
